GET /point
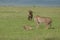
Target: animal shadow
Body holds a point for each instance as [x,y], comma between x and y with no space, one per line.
[51,28]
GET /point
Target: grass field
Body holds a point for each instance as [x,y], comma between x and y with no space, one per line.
[12,20]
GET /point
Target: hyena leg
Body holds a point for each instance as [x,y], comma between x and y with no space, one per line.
[38,23]
[48,25]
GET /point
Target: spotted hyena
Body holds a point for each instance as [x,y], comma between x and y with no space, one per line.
[46,20]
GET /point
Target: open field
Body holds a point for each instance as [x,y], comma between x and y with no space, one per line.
[12,20]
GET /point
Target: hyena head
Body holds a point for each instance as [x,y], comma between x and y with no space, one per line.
[27,27]
[45,20]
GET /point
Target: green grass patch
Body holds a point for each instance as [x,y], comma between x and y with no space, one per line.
[12,20]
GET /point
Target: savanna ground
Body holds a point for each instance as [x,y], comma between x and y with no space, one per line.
[12,20]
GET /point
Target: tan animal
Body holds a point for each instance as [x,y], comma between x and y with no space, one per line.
[27,27]
[45,20]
